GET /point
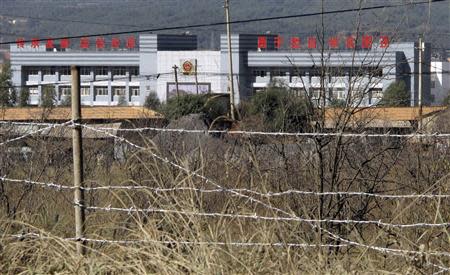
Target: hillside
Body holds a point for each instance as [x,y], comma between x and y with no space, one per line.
[73,18]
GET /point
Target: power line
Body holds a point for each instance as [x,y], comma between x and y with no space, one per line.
[239,21]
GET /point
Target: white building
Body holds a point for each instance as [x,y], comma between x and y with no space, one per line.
[440,80]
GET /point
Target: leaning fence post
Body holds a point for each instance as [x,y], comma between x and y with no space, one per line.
[77,160]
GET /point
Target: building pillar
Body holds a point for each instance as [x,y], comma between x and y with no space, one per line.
[127,87]
[91,87]
[40,87]
[110,94]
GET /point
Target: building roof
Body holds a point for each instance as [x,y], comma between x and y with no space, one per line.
[87,113]
[382,117]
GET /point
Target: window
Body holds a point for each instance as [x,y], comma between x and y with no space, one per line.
[64,91]
[101,70]
[339,93]
[135,91]
[376,93]
[33,90]
[119,71]
[33,71]
[260,73]
[134,71]
[85,71]
[119,91]
[48,70]
[85,91]
[101,90]
[278,73]
[64,70]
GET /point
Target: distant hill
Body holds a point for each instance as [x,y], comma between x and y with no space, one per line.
[403,23]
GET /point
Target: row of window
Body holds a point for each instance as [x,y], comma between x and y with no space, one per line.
[98,70]
[374,72]
[86,91]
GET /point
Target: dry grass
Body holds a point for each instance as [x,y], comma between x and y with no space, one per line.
[263,166]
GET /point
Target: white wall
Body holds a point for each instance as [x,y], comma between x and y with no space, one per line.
[208,65]
[440,75]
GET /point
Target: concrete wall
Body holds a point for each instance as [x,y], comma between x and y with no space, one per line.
[440,81]
[208,66]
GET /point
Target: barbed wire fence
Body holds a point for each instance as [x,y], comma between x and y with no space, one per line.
[250,195]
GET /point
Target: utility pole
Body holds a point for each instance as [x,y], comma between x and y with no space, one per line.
[420,103]
[196,77]
[175,70]
[77,150]
[230,59]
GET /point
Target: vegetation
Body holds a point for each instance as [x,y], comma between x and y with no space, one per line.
[396,95]
[278,109]
[152,101]
[272,165]
[210,106]
[6,88]
[24,97]
[48,99]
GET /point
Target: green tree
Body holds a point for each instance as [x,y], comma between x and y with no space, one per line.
[24,97]
[280,110]
[152,101]
[396,95]
[48,96]
[6,86]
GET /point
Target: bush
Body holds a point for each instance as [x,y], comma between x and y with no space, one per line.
[179,106]
[48,97]
[396,95]
[216,106]
[152,101]
[337,103]
[279,110]
[211,106]
[24,97]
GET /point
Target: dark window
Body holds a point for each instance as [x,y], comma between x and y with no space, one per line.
[85,70]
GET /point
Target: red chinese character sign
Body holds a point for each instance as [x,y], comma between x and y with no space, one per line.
[278,42]
[350,42]
[100,43]
[84,43]
[35,43]
[367,42]
[131,42]
[115,43]
[20,42]
[384,41]
[312,42]
[64,43]
[295,43]
[262,42]
[333,43]
[49,44]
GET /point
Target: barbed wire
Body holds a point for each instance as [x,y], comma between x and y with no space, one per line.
[240,244]
[278,210]
[396,252]
[258,217]
[233,132]
[60,187]
[36,132]
[128,242]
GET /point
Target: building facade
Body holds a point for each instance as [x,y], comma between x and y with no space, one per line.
[128,76]
[440,81]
